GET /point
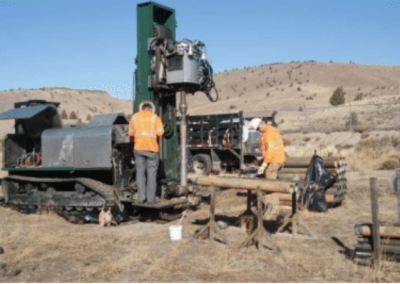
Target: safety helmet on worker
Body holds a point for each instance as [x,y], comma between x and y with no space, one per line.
[144,104]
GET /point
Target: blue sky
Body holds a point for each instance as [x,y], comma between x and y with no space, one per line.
[92,43]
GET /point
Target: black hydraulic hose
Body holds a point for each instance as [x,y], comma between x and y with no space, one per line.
[207,81]
[209,96]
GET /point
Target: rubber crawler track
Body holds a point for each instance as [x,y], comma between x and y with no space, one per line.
[104,190]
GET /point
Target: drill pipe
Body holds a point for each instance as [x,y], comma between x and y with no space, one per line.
[290,176]
[242,183]
[183,130]
[385,248]
[293,164]
[287,198]
[303,171]
[334,189]
[385,231]
[304,162]
[302,177]
[307,159]
[384,242]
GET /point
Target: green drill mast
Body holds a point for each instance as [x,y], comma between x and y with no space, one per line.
[148,14]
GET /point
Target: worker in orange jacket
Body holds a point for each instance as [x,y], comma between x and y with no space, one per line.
[146,127]
[272,149]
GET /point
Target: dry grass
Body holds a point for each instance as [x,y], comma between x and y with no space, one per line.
[287,141]
[391,163]
[372,153]
[45,248]
[361,126]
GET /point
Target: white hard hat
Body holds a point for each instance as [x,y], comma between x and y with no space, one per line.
[147,102]
[253,125]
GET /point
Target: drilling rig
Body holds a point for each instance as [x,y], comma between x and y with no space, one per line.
[175,67]
[79,170]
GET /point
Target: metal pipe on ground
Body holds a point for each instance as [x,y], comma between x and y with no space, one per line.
[291,176]
[334,190]
[307,159]
[384,231]
[302,177]
[328,165]
[242,183]
[287,198]
[304,162]
[303,171]
[385,247]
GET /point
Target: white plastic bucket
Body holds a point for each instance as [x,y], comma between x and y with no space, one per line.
[175,232]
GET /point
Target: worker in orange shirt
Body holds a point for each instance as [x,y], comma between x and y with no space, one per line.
[273,152]
[146,127]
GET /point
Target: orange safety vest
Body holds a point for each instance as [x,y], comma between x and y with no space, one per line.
[145,127]
[272,149]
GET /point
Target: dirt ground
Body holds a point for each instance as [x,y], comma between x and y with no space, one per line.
[46,248]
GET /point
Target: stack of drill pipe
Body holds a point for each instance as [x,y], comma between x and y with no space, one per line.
[304,162]
[242,183]
[301,171]
[299,166]
[333,197]
[296,169]
[390,242]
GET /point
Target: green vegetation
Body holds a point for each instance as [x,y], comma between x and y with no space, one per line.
[359,97]
[64,114]
[73,115]
[337,97]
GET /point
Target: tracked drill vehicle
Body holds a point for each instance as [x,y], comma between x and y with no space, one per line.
[87,168]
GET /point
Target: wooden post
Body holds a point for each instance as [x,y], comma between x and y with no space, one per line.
[212,213]
[248,200]
[396,188]
[260,225]
[294,215]
[375,223]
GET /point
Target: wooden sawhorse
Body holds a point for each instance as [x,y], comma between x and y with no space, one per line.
[212,227]
[260,236]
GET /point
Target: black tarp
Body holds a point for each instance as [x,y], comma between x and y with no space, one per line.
[317,172]
[318,180]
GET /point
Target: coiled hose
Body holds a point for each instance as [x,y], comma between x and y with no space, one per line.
[206,81]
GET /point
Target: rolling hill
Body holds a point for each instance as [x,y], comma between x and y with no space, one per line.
[299,91]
